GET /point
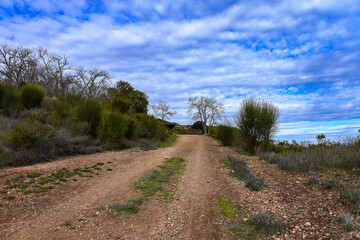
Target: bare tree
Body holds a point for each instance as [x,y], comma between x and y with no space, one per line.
[205,109]
[162,110]
[94,82]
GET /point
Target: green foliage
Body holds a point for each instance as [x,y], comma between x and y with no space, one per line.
[113,127]
[90,112]
[227,135]
[34,175]
[226,208]
[8,197]
[257,122]
[151,127]
[28,133]
[31,95]
[120,105]
[197,125]
[138,100]
[8,98]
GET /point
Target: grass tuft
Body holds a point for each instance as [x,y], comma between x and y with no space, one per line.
[8,197]
[226,208]
[34,175]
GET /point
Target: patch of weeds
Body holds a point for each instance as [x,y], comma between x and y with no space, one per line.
[45,180]
[109,162]
[67,224]
[240,170]
[99,164]
[7,182]
[226,208]
[347,221]
[3,192]
[266,223]
[312,181]
[8,197]
[34,175]
[86,170]
[149,185]
[255,183]
[80,220]
[352,196]
[76,170]
[330,184]
[56,183]
[97,168]
[74,179]
[109,169]
[131,206]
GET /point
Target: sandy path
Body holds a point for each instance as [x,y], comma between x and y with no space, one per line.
[193,215]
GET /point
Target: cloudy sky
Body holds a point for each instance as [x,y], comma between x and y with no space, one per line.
[302,55]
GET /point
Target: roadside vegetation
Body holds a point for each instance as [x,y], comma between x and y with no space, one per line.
[149,185]
[49,109]
[257,226]
[36,182]
[240,170]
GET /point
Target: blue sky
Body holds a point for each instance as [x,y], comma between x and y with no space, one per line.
[304,56]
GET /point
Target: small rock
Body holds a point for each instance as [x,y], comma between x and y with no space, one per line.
[246,219]
[357,236]
[307,224]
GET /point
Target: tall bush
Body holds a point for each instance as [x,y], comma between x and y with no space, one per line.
[120,105]
[257,122]
[90,112]
[8,98]
[31,95]
[113,128]
[151,127]
[226,134]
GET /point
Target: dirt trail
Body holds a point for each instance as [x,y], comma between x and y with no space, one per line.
[193,213]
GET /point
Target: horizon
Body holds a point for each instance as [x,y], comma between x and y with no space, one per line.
[303,56]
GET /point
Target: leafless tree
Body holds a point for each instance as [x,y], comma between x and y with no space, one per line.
[205,109]
[93,82]
[162,110]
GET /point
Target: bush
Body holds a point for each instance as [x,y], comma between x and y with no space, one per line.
[227,135]
[241,171]
[28,133]
[312,181]
[113,127]
[266,223]
[255,184]
[90,112]
[151,127]
[120,105]
[352,196]
[6,156]
[330,184]
[31,95]
[8,98]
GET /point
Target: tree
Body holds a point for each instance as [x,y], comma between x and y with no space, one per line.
[268,122]
[257,121]
[94,82]
[162,110]
[138,100]
[205,109]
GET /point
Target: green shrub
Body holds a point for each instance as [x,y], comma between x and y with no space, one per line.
[90,112]
[227,135]
[6,156]
[151,127]
[28,133]
[8,98]
[113,128]
[120,105]
[31,95]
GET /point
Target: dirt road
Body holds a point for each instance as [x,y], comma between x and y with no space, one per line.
[192,215]
[78,210]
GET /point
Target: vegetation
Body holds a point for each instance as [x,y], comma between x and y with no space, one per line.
[149,185]
[307,157]
[258,226]
[162,110]
[206,110]
[257,122]
[45,114]
[240,170]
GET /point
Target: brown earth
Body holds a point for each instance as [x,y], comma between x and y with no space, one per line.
[193,214]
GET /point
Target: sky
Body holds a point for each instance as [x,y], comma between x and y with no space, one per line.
[302,55]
